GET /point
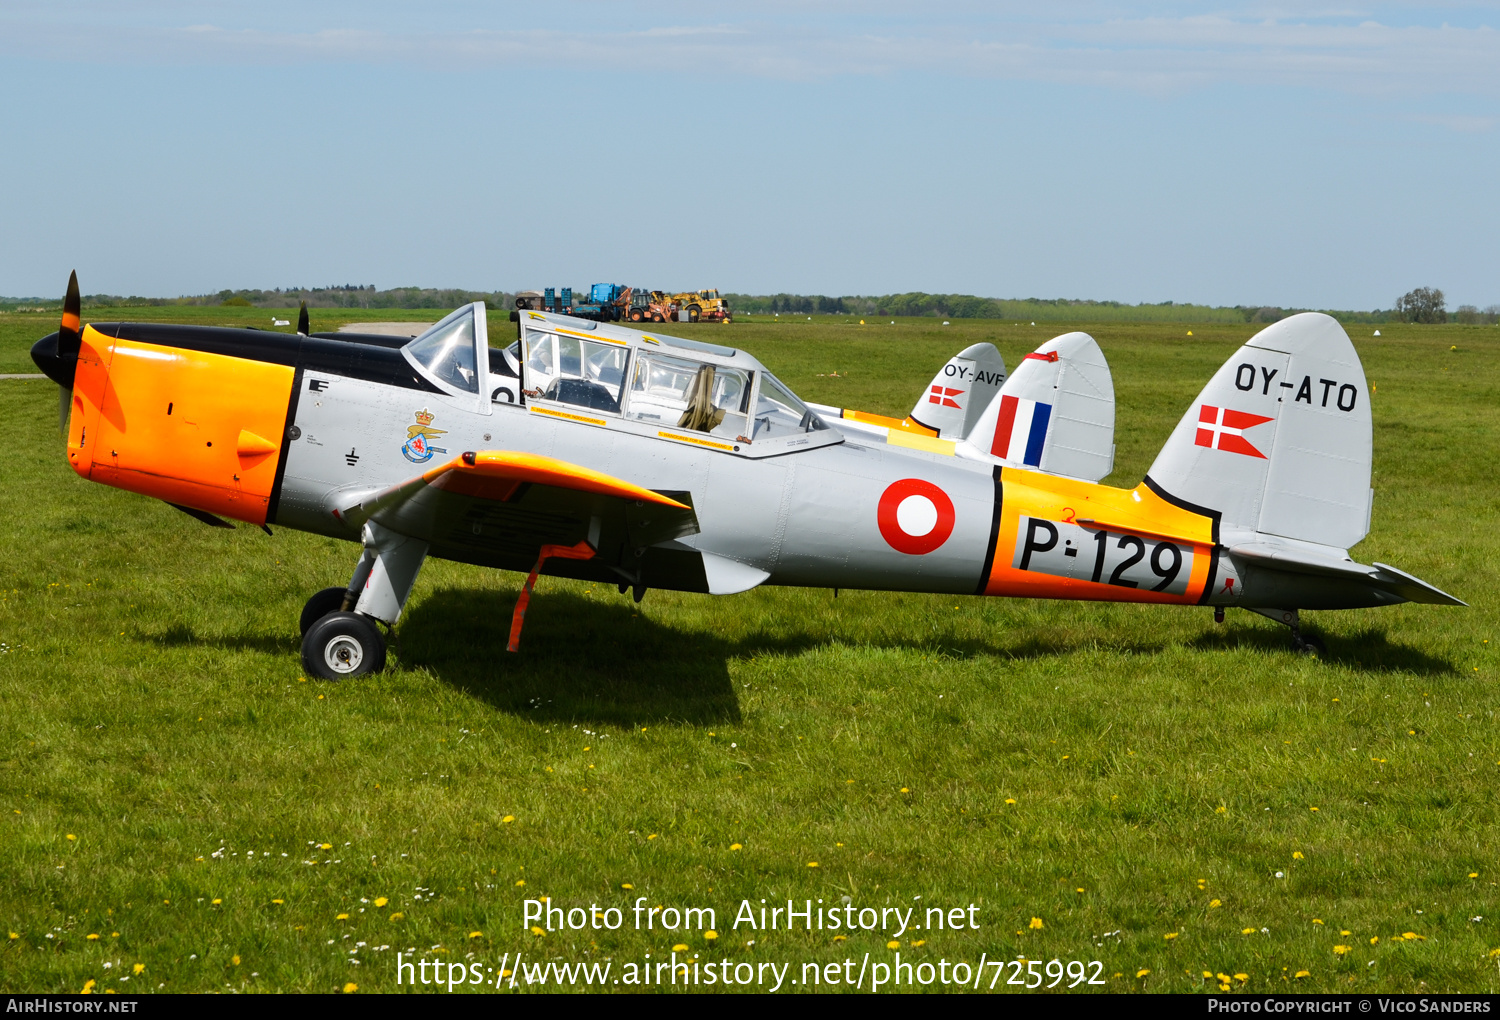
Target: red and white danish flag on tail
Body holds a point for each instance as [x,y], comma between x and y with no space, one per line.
[943,396]
[1222,428]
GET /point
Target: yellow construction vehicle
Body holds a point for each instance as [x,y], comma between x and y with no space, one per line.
[703,305]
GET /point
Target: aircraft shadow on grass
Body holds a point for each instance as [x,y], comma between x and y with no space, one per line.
[1368,649]
[180,635]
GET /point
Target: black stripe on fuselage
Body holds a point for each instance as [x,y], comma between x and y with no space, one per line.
[286,446]
[1182,504]
[989,553]
[377,364]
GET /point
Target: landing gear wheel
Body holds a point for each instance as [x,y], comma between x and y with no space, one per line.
[1308,644]
[329,600]
[343,645]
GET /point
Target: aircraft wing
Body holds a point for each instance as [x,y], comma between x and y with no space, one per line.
[510,504]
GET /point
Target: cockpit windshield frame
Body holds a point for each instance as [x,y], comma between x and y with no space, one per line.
[446,368]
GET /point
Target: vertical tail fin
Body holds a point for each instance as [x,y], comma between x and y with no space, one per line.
[959,393]
[1278,442]
[1056,413]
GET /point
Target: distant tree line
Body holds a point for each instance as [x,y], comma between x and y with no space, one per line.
[1422,305]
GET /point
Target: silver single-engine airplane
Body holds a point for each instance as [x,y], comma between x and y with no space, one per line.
[592,451]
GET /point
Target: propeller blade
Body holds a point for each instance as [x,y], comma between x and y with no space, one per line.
[70,333]
[64,408]
[303,326]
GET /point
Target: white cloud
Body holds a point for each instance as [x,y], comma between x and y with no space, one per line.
[1346,51]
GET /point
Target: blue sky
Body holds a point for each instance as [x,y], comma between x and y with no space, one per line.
[1289,155]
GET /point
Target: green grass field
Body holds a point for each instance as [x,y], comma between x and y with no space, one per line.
[1161,794]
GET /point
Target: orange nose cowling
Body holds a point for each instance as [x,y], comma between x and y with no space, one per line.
[202,430]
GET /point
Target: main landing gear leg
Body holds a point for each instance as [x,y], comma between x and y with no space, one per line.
[1305,644]
[344,641]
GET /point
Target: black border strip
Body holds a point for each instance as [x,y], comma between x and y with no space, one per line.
[286,445]
[989,552]
[1213,515]
[1213,576]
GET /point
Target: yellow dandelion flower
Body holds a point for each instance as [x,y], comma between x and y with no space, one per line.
[94,937]
[626,885]
[1215,903]
[710,935]
[73,837]
[507,819]
[1143,972]
[1222,977]
[1079,889]
[114,934]
[350,988]
[652,836]
[1317,920]
[1248,931]
[919,942]
[235,959]
[735,846]
[1302,974]
[1036,923]
[325,846]
[476,934]
[1473,874]
[1312,809]
[278,902]
[1494,953]
[1374,940]
[1413,936]
[842,938]
[520,882]
[1242,977]
[342,917]
[681,947]
[1340,950]
[893,944]
[217,902]
[1221,810]
[138,968]
[1296,855]
[1010,800]
[381,901]
[537,931]
[397,916]
[905,790]
[88,986]
[1208,973]
[15,934]
[812,864]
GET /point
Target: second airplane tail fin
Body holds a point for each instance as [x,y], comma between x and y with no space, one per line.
[1056,413]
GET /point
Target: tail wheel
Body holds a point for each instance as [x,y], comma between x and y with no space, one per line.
[343,645]
[1310,645]
[329,600]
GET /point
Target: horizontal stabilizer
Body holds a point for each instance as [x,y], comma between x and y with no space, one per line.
[1301,561]
[1413,589]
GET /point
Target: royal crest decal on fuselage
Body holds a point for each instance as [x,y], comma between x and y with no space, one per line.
[418,447]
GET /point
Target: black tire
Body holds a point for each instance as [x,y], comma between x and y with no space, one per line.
[636,316]
[694,313]
[329,600]
[657,317]
[341,646]
[1313,646]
